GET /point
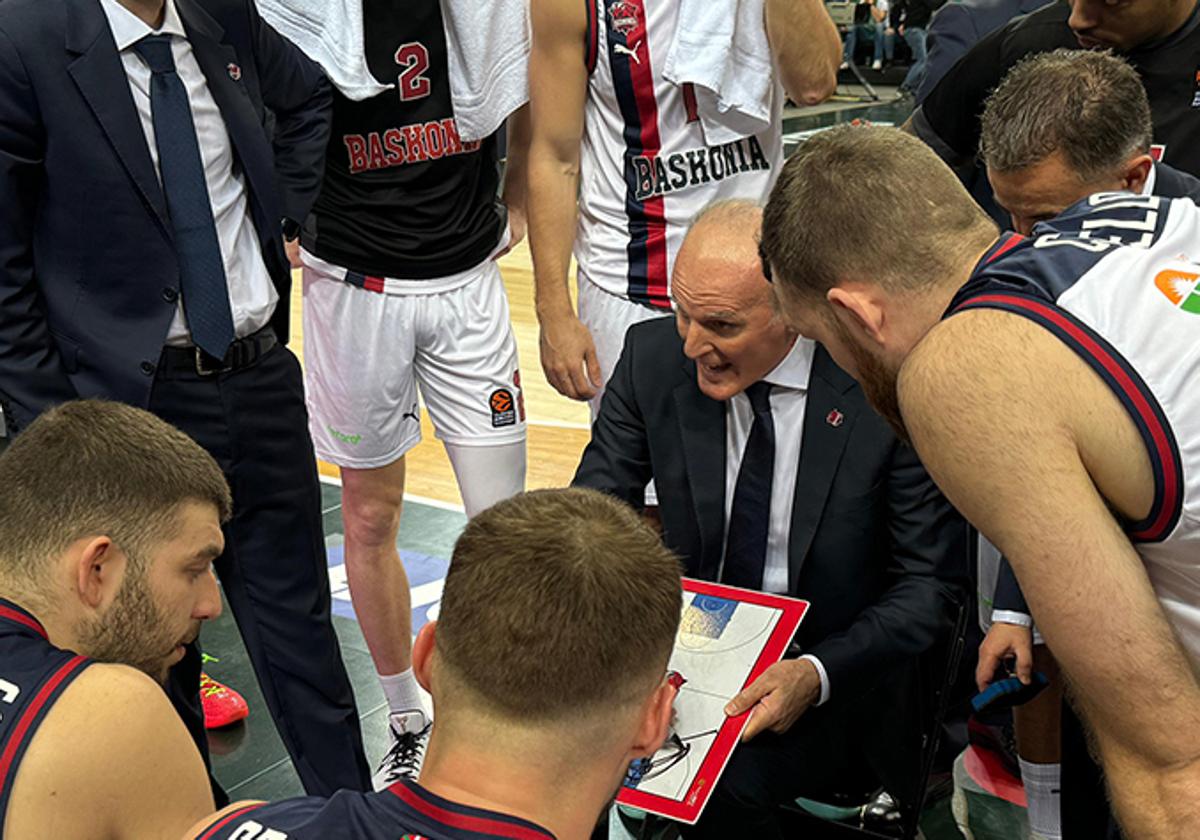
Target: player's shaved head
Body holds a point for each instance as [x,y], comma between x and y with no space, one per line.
[559,605]
[871,204]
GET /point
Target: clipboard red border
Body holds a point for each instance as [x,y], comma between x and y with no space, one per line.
[688,811]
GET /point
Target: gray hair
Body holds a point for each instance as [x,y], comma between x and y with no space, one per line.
[1089,105]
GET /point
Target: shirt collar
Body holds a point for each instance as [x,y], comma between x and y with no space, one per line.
[794,370]
[127,28]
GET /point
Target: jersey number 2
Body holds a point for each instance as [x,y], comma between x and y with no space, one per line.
[413,82]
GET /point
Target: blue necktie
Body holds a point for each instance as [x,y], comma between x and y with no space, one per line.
[750,515]
[202,272]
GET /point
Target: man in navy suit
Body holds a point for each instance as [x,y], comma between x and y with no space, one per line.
[150,152]
[958,26]
[774,474]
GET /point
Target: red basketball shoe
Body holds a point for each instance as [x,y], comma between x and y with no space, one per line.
[222,705]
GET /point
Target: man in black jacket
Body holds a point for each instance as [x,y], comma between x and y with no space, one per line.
[774,474]
[141,260]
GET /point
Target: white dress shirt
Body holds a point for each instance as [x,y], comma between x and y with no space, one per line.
[789,399]
[252,295]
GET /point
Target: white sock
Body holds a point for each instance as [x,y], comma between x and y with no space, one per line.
[402,692]
[1043,783]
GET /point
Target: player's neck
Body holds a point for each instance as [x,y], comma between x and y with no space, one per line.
[564,802]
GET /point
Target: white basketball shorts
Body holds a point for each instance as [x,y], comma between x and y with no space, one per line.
[366,353]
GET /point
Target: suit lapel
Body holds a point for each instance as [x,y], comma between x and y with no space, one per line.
[219,63]
[821,449]
[100,76]
[702,429]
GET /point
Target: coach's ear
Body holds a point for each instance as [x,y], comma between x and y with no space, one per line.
[422,655]
[859,307]
[97,568]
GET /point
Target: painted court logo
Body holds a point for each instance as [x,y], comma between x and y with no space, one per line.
[1179,287]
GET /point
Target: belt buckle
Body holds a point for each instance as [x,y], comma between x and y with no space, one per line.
[204,369]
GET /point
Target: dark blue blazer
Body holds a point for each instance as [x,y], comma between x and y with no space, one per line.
[958,25]
[873,544]
[89,277]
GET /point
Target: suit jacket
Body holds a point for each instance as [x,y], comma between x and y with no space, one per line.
[874,545]
[958,26]
[89,278]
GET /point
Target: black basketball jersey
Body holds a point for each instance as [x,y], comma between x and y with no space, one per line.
[404,811]
[403,196]
[33,675]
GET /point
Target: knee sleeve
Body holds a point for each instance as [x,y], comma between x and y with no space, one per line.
[487,474]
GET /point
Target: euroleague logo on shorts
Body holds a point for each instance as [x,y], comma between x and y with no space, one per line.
[506,409]
[623,17]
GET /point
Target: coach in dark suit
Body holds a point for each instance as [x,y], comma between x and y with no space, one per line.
[772,473]
[141,259]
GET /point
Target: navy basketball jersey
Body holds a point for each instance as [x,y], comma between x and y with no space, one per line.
[404,811]
[1116,277]
[33,675]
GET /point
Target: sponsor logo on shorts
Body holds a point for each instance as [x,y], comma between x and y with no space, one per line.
[503,406]
[342,437]
[413,415]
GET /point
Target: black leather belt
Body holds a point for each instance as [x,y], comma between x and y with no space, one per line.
[242,354]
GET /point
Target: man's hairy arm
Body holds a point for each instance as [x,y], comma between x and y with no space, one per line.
[996,408]
[558,92]
[807,48]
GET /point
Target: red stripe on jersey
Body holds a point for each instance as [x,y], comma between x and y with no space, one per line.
[592,45]
[654,210]
[1014,239]
[373,284]
[689,102]
[466,822]
[21,618]
[227,819]
[1115,368]
[31,712]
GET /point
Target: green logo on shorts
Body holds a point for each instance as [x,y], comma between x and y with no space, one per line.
[344,438]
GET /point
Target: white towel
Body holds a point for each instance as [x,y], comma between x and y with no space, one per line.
[330,32]
[488,53]
[489,62]
[721,49]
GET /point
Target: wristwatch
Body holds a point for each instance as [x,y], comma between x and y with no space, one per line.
[290,228]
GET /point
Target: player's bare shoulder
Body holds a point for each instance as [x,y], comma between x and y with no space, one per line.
[95,757]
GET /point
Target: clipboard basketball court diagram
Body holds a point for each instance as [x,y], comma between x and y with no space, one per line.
[727,638]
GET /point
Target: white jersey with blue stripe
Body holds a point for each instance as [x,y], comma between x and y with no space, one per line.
[645,168]
[1115,277]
